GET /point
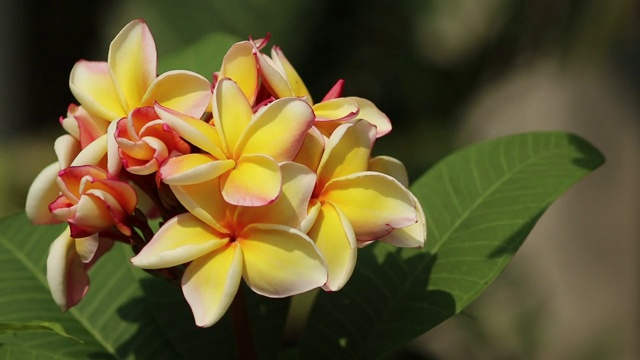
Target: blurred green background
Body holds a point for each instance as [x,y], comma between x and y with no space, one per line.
[447,73]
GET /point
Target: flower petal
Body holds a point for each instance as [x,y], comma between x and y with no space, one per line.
[66,148]
[411,236]
[205,202]
[311,150]
[280,261]
[86,247]
[390,166]
[374,203]
[91,83]
[274,79]
[290,209]
[277,130]
[181,239]
[255,181]
[66,274]
[231,112]
[183,91]
[93,154]
[370,113]
[132,60]
[347,151]
[210,283]
[340,109]
[295,82]
[333,235]
[193,168]
[240,64]
[42,192]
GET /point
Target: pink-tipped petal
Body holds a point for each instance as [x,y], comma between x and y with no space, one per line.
[255,181]
[347,151]
[295,82]
[277,130]
[370,113]
[280,261]
[91,83]
[340,109]
[210,283]
[240,64]
[183,91]
[193,168]
[66,274]
[411,236]
[132,60]
[231,112]
[374,203]
[334,236]
[42,192]
[335,91]
[390,166]
[181,239]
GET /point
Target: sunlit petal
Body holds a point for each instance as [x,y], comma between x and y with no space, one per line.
[180,240]
[42,192]
[240,65]
[66,274]
[132,59]
[334,236]
[66,148]
[280,261]
[277,130]
[340,109]
[374,203]
[370,113]
[193,168]
[93,154]
[274,79]
[210,283]
[295,82]
[311,150]
[231,112]
[390,166]
[91,83]
[183,91]
[205,202]
[255,181]
[411,236]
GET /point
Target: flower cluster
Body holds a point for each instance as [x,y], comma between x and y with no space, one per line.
[250,178]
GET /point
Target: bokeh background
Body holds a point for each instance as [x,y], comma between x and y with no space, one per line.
[448,73]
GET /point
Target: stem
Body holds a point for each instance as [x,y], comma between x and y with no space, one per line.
[245,347]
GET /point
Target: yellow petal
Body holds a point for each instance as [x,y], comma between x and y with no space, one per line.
[183,91]
[374,203]
[86,247]
[210,283]
[132,60]
[277,130]
[91,83]
[280,261]
[231,112]
[290,209]
[240,64]
[340,109]
[255,181]
[347,151]
[274,78]
[311,150]
[411,236]
[370,113]
[180,240]
[205,202]
[92,154]
[390,166]
[195,131]
[193,168]
[295,82]
[66,148]
[42,192]
[334,236]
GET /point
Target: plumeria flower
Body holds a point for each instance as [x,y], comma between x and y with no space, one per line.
[243,148]
[353,206]
[90,202]
[111,90]
[144,141]
[223,243]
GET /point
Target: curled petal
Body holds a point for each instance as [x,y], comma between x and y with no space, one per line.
[295,82]
[335,91]
[274,78]
[277,130]
[333,235]
[390,166]
[231,112]
[183,91]
[86,247]
[240,64]
[255,181]
[66,273]
[132,60]
[91,83]
[370,113]
[66,148]
[410,236]
[374,203]
[42,192]
[210,283]
[181,239]
[93,154]
[340,109]
[300,267]
[193,168]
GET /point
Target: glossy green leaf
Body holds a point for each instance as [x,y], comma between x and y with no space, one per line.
[203,56]
[34,326]
[481,202]
[127,314]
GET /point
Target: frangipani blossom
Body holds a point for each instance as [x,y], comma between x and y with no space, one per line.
[354,206]
[223,243]
[243,148]
[90,202]
[111,90]
[144,141]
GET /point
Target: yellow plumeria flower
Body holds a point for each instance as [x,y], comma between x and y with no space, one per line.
[354,206]
[223,243]
[241,148]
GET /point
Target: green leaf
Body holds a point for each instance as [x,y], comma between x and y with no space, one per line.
[203,56]
[126,314]
[34,326]
[481,202]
